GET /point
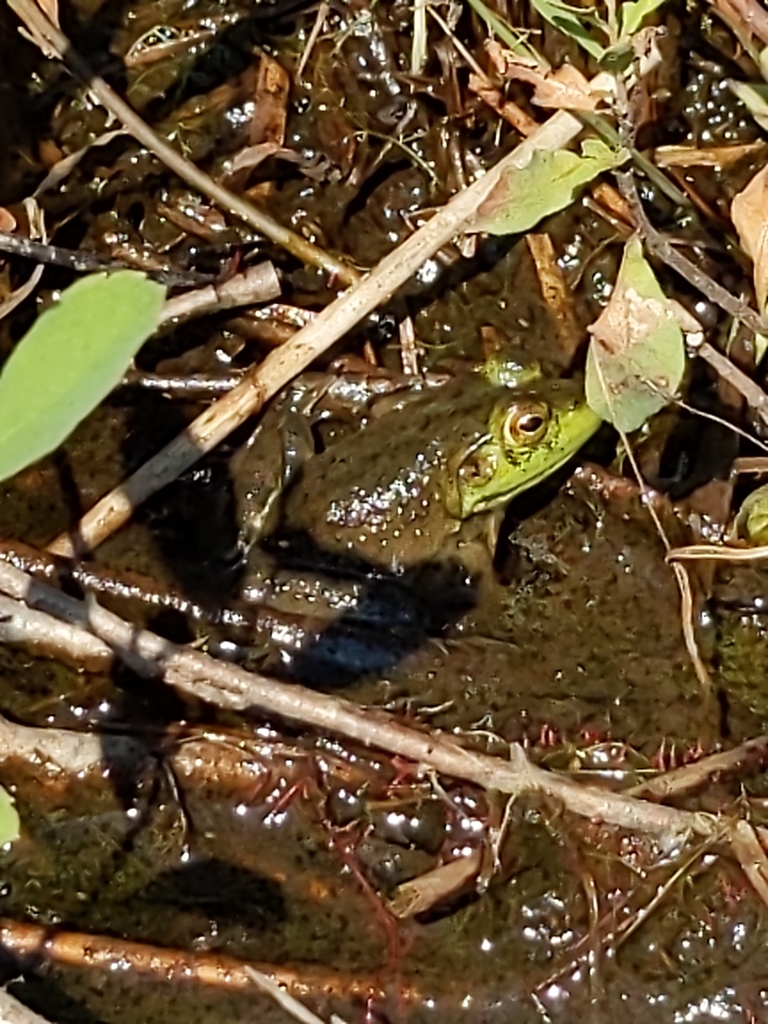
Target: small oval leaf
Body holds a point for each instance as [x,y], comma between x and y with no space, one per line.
[636,357]
[9,818]
[72,357]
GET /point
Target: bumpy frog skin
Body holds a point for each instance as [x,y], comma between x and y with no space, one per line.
[394,492]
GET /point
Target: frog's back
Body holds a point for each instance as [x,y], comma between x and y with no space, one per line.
[378,493]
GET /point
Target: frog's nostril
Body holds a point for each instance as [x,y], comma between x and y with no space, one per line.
[477,470]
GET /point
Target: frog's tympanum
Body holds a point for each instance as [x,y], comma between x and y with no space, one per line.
[397,492]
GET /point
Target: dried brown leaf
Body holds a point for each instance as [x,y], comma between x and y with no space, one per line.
[51,9]
[563,89]
[7,220]
[273,86]
[749,213]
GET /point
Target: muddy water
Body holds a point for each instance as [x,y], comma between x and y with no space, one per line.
[223,838]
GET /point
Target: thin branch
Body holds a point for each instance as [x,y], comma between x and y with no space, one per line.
[717,553]
[232,687]
[301,248]
[14,1012]
[284,999]
[691,776]
[45,635]
[90,262]
[753,394]
[27,943]
[750,17]
[657,244]
[281,365]
[751,856]
[256,284]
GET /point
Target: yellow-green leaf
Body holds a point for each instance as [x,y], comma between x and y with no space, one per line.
[636,357]
[752,517]
[72,357]
[9,818]
[548,183]
[754,98]
[633,14]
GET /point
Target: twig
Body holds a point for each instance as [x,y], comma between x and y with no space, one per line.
[289,1003]
[256,284]
[14,1012]
[680,572]
[717,553]
[666,252]
[30,942]
[555,292]
[682,780]
[322,13]
[753,394]
[51,637]
[681,872]
[281,365]
[192,385]
[751,16]
[234,688]
[307,252]
[90,262]
[751,856]
[217,759]
[22,292]
[425,891]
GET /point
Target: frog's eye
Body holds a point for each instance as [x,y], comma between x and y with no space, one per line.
[526,424]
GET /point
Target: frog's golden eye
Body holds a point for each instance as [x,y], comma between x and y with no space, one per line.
[526,424]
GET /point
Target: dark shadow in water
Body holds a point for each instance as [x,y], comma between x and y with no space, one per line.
[390,616]
[231,52]
[224,892]
[45,997]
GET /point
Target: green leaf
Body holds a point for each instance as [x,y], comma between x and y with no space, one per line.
[9,818]
[752,518]
[514,39]
[618,58]
[73,356]
[548,183]
[571,21]
[636,358]
[633,14]
[754,98]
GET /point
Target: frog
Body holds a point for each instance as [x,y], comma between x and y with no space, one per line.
[417,474]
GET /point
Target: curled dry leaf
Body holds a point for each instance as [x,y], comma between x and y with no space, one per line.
[563,89]
[749,213]
[271,97]
[636,357]
[7,220]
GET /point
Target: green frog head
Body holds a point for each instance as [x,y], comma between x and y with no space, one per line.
[533,430]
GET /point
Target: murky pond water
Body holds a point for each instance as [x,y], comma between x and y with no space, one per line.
[179,842]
